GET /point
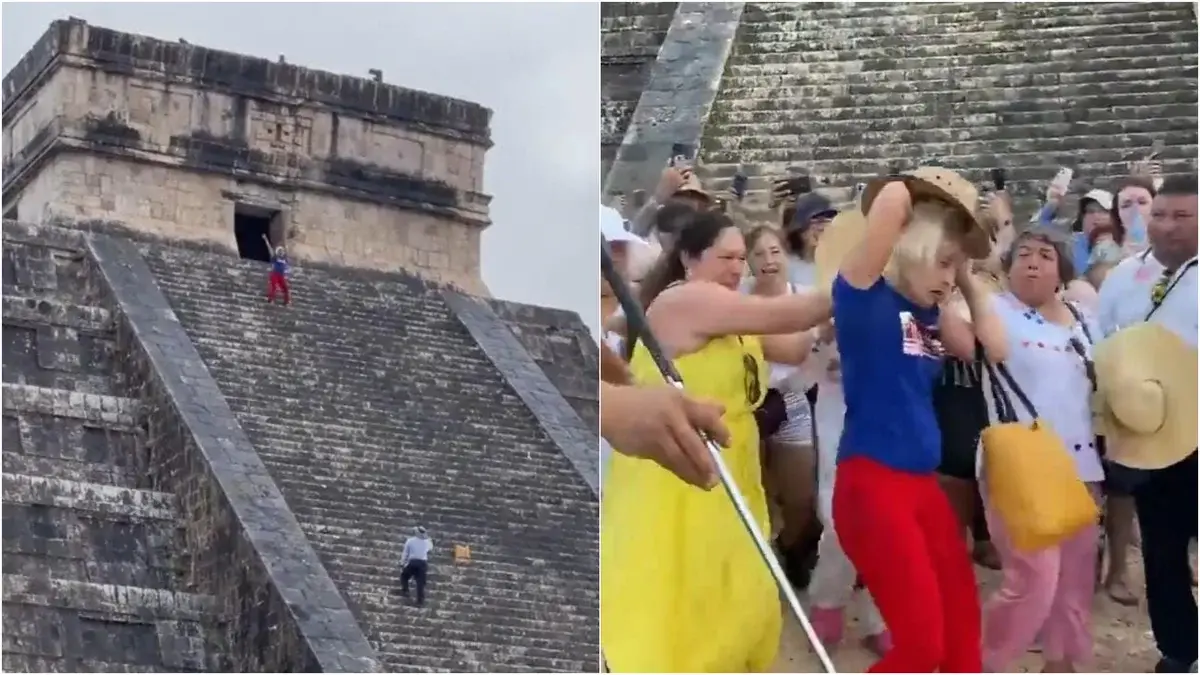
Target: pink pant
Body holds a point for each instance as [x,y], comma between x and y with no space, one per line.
[1046,594]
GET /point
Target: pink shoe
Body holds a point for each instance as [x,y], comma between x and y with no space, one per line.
[879,644]
[828,624]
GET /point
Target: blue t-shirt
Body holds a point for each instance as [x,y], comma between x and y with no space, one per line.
[279,264]
[891,357]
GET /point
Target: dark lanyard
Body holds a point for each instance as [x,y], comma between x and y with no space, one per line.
[1154,305]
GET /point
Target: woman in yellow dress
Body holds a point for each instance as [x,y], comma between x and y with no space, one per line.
[683,586]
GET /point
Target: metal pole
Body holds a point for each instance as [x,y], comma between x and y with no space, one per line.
[635,319]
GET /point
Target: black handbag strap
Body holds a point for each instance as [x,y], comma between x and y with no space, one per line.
[1004,406]
[1089,366]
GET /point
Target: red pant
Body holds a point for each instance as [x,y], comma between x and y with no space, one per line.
[277,281]
[907,545]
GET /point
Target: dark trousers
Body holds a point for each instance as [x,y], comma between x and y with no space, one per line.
[415,570]
[1166,511]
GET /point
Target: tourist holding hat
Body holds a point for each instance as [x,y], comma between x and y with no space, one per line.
[888,275]
[1146,407]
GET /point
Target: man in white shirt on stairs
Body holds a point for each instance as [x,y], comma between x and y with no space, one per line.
[414,563]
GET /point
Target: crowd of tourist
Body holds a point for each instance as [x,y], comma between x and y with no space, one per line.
[904,387]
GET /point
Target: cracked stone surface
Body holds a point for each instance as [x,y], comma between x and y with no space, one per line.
[376,407]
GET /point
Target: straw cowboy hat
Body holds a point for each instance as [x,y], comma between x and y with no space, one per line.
[1145,401]
[943,185]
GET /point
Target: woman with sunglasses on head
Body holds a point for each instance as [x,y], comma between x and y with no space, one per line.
[685,589]
[893,519]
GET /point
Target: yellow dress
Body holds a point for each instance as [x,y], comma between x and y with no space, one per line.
[682,586]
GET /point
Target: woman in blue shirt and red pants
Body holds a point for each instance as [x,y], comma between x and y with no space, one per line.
[894,522]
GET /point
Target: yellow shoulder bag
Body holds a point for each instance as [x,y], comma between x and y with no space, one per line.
[1031,478]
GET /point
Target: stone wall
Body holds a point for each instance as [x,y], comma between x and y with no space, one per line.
[167,137]
[631,34]
[680,89]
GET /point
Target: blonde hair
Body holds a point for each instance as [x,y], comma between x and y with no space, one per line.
[923,236]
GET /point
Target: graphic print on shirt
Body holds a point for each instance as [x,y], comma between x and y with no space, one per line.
[920,340]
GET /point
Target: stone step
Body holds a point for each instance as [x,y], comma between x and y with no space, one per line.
[113,412]
[107,600]
[820,144]
[967,111]
[1026,173]
[59,542]
[70,445]
[25,663]
[800,21]
[69,470]
[945,44]
[104,500]
[1150,67]
[79,626]
[982,56]
[877,41]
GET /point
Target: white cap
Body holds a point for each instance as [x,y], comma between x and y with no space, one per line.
[612,226]
[1102,197]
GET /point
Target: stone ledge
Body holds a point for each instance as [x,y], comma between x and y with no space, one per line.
[109,411]
[19,232]
[91,497]
[133,601]
[126,54]
[234,508]
[675,103]
[53,311]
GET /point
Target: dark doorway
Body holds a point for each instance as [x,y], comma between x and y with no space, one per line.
[250,226]
[11,213]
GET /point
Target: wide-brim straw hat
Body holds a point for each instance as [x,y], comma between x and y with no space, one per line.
[1145,402]
[840,237]
[944,185]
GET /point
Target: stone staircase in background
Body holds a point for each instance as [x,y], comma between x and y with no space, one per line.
[847,91]
[93,564]
[375,411]
[631,34]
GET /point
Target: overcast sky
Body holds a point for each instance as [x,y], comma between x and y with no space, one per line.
[534,65]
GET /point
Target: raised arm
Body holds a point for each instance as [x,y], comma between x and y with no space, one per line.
[885,222]
[959,333]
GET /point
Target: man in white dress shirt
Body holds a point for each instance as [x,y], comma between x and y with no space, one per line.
[414,563]
[1159,285]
